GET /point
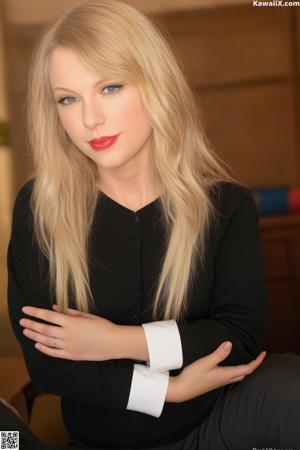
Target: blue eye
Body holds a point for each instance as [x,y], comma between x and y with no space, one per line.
[113,86]
[61,101]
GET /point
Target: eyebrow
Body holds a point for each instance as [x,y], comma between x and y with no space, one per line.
[70,90]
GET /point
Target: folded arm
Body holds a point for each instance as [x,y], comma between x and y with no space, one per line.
[106,383]
[238,305]
[238,310]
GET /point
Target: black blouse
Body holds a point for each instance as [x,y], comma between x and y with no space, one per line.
[228,301]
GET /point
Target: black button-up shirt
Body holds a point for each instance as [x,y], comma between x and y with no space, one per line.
[228,301]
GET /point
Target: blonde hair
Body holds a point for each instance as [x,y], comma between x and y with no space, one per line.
[116,39]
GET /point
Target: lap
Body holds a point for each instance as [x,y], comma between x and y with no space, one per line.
[261,410]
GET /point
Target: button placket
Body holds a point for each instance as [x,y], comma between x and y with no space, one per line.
[137,260]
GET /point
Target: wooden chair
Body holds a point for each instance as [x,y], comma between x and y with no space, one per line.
[37,412]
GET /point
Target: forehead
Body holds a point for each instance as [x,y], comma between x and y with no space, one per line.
[66,69]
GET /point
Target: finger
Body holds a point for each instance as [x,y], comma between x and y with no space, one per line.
[37,337]
[252,365]
[69,310]
[237,379]
[45,314]
[220,353]
[56,353]
[257,361]
[47,330]
[244,369]
[73,312]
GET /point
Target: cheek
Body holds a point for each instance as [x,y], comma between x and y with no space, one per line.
[69,123]
[132,115]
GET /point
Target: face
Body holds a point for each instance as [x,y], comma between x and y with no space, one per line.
[90,107]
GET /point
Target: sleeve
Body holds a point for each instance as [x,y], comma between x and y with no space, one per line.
[150,382]
[238,309]
[105,383]
[164,345]
[148,390]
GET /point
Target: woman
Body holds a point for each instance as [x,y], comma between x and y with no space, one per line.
[137,255]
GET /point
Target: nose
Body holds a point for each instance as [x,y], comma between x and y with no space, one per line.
[93,114]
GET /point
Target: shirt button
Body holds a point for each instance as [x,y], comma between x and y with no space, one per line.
[134,316]
[137,258]
[136,218]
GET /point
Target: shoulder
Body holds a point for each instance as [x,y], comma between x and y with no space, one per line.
[25,191]
[25,260]
[232,199]
[229,196]
[236,209]
[22,214]
[22,200]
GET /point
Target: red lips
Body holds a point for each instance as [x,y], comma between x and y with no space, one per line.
[102,143]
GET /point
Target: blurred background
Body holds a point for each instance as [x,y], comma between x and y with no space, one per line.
[243,62]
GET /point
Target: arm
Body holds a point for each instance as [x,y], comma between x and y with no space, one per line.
[238,309]
[116,384]
[106,383]
[238,306]
[158,343]
[206,374]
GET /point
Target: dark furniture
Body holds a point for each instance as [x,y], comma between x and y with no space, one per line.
[281,248]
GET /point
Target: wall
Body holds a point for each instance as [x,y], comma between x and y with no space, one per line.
[37,11]
[4,151]
[242,63]
[7,345]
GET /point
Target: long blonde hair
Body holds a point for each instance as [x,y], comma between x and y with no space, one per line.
[118,40]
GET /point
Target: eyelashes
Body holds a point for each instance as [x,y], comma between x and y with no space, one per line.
[114,86]
[117,86]
[62,100]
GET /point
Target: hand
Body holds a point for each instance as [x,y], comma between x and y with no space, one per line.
[204,375]
[79,336]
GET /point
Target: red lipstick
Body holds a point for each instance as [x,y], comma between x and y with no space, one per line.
[102,143]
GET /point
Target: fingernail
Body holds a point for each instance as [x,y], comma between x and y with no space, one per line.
[227,346]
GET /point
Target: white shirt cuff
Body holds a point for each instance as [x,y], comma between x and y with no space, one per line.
[148,390]
[164,345]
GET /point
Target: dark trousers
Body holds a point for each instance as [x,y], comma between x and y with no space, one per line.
[260,412]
